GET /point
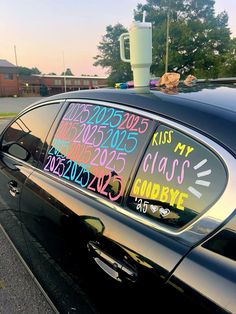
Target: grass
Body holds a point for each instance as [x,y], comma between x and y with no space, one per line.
[7,114]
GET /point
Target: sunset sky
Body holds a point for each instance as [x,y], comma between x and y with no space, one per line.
[44,30]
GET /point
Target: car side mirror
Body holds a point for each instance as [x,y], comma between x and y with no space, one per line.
[18,151]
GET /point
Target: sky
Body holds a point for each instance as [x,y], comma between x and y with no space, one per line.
[53,34]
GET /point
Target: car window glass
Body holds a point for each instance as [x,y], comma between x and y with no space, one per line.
[29,132]
[177,179]
[95,147]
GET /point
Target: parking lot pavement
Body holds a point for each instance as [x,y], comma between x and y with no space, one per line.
[11,104]
[18,291]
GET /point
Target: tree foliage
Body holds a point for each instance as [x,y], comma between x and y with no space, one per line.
[109,56]
[28,71]
[198,39]
[228,66]
[67,72]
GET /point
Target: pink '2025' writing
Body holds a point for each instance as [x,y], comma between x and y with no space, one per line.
[86,154]
[80,174]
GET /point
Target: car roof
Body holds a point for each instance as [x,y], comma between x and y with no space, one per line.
[208,108]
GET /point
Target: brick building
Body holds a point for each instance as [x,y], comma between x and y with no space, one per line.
[8,79]
[54,84]
[41,84]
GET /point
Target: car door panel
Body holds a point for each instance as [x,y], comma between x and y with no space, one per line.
[13,174]
[81,234]
[213,264]
[209,278]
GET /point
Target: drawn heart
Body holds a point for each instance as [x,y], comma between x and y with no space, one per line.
[154,208]
[164,211]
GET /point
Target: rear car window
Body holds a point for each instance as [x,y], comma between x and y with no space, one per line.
[178,179]
[95,147]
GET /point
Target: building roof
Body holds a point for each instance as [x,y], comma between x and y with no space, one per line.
[6,64]
[71,76]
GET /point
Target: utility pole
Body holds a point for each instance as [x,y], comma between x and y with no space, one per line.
[64,71]
[167,37]
[17,74]
[15,56]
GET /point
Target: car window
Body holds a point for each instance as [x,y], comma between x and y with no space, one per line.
[177,180]
[95,147]
[26,135]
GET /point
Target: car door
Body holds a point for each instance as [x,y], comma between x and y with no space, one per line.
[213,264]
[21,144]
[113,209]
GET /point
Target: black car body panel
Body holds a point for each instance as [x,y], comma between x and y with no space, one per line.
[72,229]
[86,244]
[213,264]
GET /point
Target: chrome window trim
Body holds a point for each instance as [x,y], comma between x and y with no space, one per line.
[203,225]
[32,107]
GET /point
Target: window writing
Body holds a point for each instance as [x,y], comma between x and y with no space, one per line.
[178,179]
[95,147]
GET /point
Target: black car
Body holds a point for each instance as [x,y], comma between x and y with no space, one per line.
[122,201]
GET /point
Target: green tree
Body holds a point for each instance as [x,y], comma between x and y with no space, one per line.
[198,39]
[228,66]
[28,71]
[36,71]
[67,72]
[109,56]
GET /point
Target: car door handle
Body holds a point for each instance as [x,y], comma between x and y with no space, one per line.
[14,191]
[112,266]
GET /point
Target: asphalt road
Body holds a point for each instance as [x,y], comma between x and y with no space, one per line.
[11,104]
[19,293]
